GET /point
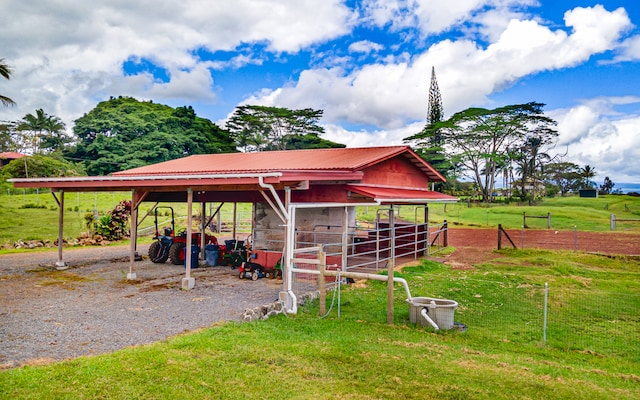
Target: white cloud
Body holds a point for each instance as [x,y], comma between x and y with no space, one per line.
[68,55]
[629,50]
[432,17]
[363,138]
[365,46]
[599,136]
[392,94]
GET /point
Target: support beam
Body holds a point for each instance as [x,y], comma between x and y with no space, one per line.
[203,218]
[135,202]
[235,219]
[188,282]
[60,264]
[345,237]
[391,265]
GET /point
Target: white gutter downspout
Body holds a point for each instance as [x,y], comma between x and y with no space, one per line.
[357,275]
[288,218]
[283,210]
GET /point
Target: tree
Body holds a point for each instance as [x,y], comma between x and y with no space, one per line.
[259,128]
[42,132]
[530,158]
[123,133]
[5,72]
[481,139]
[309,141]
[565,176]
[7,139]
[55,138]
[607,186]
[40,166]
[431,147]
[587,174]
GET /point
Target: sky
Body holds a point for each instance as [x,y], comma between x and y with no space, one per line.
[366,63]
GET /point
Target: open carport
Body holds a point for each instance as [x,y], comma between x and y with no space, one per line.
[293,193]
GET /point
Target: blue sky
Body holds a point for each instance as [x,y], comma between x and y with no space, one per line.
[366,63]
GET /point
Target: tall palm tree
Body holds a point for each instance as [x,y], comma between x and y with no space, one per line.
[587,174]
[54,137]
[5,72]
[32,127]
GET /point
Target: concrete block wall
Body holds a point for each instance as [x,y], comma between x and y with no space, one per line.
[322,225]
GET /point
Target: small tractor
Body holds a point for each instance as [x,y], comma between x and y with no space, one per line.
[172,247]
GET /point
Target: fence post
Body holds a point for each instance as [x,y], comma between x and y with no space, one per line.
[548,220]
[524,219]
[544,323]
[322,283]
[612,222]
[499,236]
[445,227]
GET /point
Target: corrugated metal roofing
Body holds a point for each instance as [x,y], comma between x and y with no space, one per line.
[346,159]
[11,155]
[396,195]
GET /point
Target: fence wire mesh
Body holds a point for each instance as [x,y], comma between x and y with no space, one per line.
[585,320]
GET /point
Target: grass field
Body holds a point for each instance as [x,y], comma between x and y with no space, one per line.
[30,216]
[359,356]
[566,213]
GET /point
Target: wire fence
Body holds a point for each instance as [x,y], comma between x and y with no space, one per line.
[584,320]
[575,240]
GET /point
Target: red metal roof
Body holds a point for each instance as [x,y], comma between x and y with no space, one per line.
[344,159]
[11,155]
[399,195]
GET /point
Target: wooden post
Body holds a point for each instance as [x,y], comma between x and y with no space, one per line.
[391,265]
[188,282]
[203,220]
[427,237]
[133,237]
[612,222]
[548,220]
[235,210]
[445,228]
[499,236]
[524,219]
[345,238]
[322,284]
[60,263]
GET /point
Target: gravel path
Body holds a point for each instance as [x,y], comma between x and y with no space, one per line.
[48,315]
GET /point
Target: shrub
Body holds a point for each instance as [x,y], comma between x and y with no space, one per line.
[113,225]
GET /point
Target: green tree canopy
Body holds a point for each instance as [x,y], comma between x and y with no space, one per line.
[481,139]
[42,133]
[124,133]
[40,166]
[259,128]
[565,176]
[607,186]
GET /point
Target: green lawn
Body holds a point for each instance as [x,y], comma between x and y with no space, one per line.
[31,216]
[566,213]
[359,356]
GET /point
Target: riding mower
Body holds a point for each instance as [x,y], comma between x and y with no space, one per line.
[169,246]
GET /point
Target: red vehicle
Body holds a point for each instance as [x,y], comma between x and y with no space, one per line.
[169,246]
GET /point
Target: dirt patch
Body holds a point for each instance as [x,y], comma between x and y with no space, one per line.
[91,308]
[623,243]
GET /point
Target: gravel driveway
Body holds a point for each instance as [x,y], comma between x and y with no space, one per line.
[48,315]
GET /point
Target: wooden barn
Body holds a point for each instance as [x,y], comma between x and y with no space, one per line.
[301,199]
